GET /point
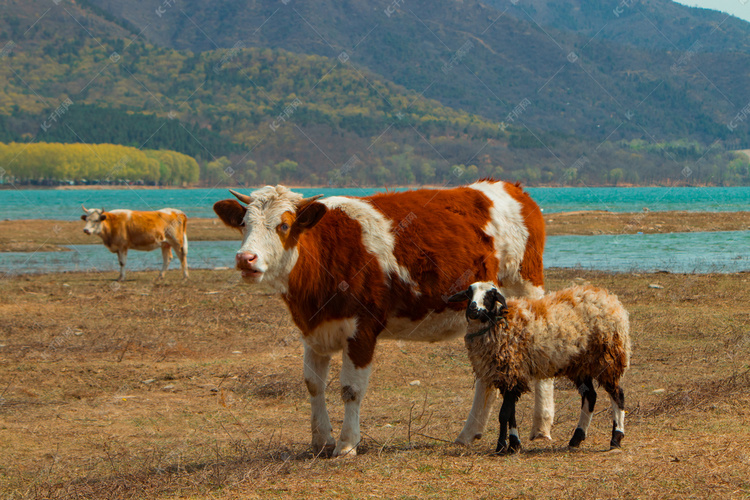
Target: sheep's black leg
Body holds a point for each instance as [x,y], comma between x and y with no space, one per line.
[514,441]
[618,416]
[588,400]
[508,415]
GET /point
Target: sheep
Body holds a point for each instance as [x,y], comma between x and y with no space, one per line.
[579,332]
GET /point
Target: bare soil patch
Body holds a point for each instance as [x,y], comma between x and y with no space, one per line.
[602,222]
[191,389]
[51,235]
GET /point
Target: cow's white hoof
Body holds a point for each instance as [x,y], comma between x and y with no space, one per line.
[540,435]
[466,441]
[345,451]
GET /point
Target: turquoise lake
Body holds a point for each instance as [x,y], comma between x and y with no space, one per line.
[727,251]
[722,252]
[66,204]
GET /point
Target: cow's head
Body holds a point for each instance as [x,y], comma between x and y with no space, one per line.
[485,303]
[271,220]
[94,219]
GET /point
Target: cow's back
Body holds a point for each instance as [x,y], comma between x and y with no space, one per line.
[143,230]
[489,230]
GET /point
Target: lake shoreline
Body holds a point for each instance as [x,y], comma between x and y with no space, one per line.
[78,187]
[41,235]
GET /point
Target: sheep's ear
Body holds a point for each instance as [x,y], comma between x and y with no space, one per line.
[501,300]
[460,296]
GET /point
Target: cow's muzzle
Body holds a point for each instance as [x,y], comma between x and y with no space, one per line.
[246,262]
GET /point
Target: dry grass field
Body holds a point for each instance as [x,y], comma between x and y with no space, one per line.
[194,389]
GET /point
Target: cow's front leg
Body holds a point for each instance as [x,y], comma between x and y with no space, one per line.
[355,376]
[544,409]
[484,396]
[122,257]
[166,255]
[316,376]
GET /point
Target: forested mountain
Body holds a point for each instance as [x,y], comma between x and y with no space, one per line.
[591,71]
[478,91]
[648,24]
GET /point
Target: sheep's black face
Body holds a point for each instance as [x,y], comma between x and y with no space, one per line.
[486,303]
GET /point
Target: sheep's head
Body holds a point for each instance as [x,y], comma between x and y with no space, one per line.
[485,305]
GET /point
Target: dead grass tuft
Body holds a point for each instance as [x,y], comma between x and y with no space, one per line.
[699,394]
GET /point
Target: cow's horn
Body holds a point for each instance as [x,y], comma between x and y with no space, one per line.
[310,199]
[242,197]
[84,208]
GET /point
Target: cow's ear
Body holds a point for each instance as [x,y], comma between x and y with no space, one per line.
[83,217]
[103,217]
[309,214]
[231,213]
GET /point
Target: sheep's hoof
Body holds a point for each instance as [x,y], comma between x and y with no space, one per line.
[504,449]
[515,445]
[501,448]
[616,440]
[578,437]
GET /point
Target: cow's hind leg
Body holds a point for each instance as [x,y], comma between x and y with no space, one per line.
[166,255]
[316,377]
[588,400]
[180,249]
[182,252]
[544,409]
[484,396]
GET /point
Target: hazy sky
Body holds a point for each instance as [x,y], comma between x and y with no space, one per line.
[738,8]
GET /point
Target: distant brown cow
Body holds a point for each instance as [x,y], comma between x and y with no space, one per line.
[129,229]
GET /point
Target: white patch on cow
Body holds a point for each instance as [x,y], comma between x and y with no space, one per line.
[377,235]
[262,217]
[434,327]
[330,336]
[507,229]
[170,211]
[514,432]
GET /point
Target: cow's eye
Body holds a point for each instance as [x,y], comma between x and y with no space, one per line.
[284,227]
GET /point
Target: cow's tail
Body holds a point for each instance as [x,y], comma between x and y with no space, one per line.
[184,236]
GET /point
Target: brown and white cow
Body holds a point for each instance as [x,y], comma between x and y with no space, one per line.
[122,230]
[355,270]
